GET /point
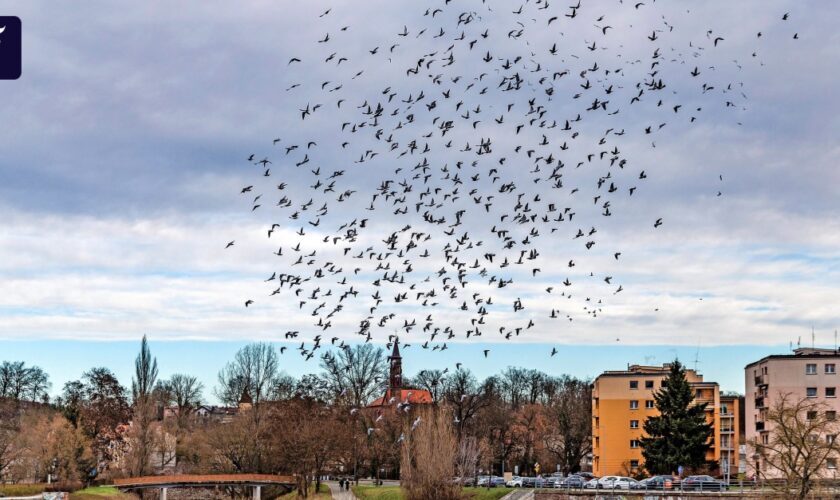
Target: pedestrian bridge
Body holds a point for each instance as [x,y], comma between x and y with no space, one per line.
[163,483]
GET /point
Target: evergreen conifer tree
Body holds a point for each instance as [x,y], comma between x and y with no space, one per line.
[679,435]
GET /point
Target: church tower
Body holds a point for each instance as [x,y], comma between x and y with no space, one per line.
[396,369]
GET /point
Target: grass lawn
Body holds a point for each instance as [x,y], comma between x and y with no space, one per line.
[395,493]
[323,494]
[21,490]
[378,492]
[101,493]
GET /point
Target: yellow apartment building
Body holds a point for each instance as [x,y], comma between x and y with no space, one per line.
[623,400]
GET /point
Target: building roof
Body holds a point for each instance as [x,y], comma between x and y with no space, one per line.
[801,353]
[411,396]
[642,370]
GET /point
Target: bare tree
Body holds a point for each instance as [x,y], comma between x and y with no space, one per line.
[145,373]
[429,453]
[433,381]
[185,393]
[513,384]
[356,373]
[255,368]
[465,398]
[21,383]
[800,443]
[9,427]
[466,462]
[569,436]
[141,436]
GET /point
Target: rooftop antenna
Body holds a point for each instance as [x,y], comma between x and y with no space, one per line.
[697,356]
[812,336]
[835,341]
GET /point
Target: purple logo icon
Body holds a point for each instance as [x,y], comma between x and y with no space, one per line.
[10,48]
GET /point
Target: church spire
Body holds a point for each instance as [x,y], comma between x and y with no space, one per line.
[396,367]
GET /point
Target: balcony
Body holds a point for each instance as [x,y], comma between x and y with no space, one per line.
[759,403]
[759,426]
[727,430]
[760,380]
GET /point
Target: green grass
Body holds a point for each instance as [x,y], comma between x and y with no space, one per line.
[486,494]
[21,490]
[100,493]
[378,492]
[395,493]
[323,494]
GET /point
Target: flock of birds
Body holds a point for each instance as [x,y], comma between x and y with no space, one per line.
[432,184]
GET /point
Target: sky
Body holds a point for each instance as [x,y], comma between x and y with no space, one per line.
[124,156]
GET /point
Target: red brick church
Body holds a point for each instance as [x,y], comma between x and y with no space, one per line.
[396,393]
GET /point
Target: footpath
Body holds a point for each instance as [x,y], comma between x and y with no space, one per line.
[337,494]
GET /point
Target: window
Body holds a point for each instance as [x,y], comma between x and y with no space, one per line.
[648,384]
[811,369]
[724,409]
[831,463]
[831,415]
[811,415]
[831,392]
[634,464]
[634,443]
[830,368]
[634,404]
[634,384]
[765,439]
[829,438]
[634,424]
[649,404]
[811,392]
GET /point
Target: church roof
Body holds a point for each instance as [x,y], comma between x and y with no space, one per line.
[411,396]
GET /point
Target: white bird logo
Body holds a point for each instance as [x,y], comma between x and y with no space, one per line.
[2,29]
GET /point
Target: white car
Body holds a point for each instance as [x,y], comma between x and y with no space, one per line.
[614,483]
[515,482]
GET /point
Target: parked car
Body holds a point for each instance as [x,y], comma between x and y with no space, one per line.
[615,483]
[515,482]
[491,481]
[586,475]
[660,483]
[702,483]
[591,484]
[573,481]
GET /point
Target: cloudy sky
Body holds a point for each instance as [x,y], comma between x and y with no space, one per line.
[124,155]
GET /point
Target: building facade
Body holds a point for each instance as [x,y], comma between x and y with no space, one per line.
[623,400]
[808,373]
